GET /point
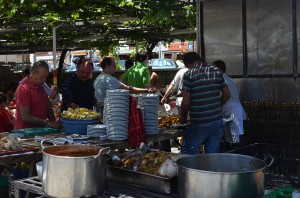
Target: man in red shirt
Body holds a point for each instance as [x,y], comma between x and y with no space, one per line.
[33,108]
[6,117]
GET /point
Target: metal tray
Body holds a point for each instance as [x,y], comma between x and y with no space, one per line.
[143,180]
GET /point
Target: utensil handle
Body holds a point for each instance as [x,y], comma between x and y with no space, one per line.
[145,149]
[269,157]
[42,142]
[105,150]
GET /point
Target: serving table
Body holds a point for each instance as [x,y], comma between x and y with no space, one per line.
[32,152]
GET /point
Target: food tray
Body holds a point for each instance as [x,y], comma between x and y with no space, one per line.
[143,180]
[24,150]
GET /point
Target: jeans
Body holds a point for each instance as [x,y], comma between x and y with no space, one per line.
[208,134]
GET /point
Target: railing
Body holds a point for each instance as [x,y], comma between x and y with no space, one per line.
[272,122]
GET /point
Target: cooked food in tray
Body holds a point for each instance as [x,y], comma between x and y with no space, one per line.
[168,120]
[153,162]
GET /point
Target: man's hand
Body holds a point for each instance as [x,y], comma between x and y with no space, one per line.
[55,124]
[164,100]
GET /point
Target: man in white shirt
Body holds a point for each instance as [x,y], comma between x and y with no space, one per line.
[177,85]
[232,108]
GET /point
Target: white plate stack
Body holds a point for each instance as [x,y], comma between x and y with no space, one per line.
[116,114]
[96,130]
[149,104]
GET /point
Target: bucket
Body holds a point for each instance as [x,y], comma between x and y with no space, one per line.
[72,126]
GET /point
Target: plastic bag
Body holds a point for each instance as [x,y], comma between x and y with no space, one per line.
[231,135]
[169,167]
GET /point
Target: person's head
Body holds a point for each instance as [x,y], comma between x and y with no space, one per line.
[39,73]
[141,57]
[220,64]
[3,100]
[128,63]
[108,65]
[84,69]
[190,59]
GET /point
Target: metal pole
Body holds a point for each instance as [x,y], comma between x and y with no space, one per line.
[54,47]
[54,56]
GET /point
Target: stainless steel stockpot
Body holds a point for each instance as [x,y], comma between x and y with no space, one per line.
[74,170]
[221,175]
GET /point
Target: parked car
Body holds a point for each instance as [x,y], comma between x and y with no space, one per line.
[73,68]
[162,63]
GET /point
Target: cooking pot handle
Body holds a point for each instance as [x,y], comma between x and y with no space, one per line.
[271,158]
[46,139]
[102,151]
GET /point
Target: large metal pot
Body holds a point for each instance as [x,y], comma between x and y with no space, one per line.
[221,175]
[74,170]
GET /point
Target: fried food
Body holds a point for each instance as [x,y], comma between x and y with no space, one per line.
[150,163]
[168,121]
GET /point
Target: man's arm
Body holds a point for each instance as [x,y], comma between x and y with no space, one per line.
[225,95]
[50,113]
[27,117]
[168,91]
[68,93]
[185,106]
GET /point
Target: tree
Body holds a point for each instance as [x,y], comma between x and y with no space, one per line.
[93,23]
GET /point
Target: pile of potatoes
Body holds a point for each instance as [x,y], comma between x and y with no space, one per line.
[80,113]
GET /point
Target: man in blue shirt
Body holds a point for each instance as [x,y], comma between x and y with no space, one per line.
[78,90]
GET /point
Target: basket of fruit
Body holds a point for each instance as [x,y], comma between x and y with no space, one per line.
[75,121]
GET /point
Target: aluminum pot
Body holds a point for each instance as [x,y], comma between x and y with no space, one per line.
[74,170]
[221,175]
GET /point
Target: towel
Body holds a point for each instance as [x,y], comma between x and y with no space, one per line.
[136,128]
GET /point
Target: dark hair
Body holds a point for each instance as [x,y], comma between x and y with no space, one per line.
[128,63]
[82,60]
[3,98]
[220,64]
[190,58]
[141,56]
[106,61]
[39,64]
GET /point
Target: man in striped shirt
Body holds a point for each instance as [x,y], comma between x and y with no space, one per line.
[204,93]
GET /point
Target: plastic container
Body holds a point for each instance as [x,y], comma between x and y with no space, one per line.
[39,169]
[72,126]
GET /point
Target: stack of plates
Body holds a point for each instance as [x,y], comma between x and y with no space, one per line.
[96,130]
[116,114]
[149,104]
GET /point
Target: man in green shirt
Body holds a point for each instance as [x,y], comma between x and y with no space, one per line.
[138,75]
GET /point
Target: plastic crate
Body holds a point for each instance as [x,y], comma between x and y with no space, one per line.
[286,159]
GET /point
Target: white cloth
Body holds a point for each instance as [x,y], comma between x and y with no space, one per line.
[105,82]
[177,83]
[234,107]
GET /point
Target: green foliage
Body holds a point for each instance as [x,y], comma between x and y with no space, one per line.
[150,19]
